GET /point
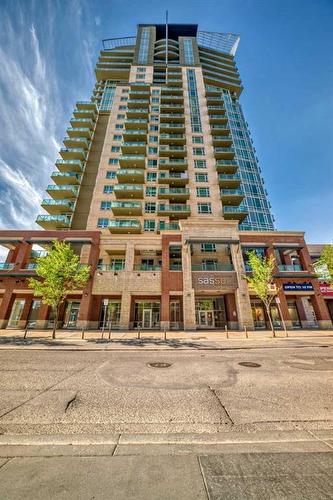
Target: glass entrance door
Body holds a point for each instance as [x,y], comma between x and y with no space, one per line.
[15,315]
[147,318]
[293,313]
[206,319]
[71,315]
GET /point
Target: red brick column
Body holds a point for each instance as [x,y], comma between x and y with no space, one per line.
[6,305]
[283,306]
[320,309]
[43,316]
[85,311]
[22,256]
[25,312]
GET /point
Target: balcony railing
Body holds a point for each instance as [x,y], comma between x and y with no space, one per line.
[146,267]
[291,268]
[213,267]
[4,266]
[111,267]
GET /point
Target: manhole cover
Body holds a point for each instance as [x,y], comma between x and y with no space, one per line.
[249,364]
[159,364]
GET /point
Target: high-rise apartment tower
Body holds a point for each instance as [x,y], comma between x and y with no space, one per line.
[162,139]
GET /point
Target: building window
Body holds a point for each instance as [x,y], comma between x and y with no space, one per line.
[154,118]
[188,51]
[208,247]
[113,161]
[155,100]
[144,45]
[152,163]
[123,99]
[102,222]
[117,137]
[153,138]
[122,108]
[105,205]
[153,128]
[110,175]
[115,149]
[108,96]
[149,225]
[152,151]
[201,177]
[124,91]
[197,139]
[141,70]
[194,101]
[198,151]
[117,264]
[155,92]
[203,192]
[140,77]
[151,191]
[204,208]
[150,207]
[120,116]
[200,164]
[119,126]
[108,189]
[151,176]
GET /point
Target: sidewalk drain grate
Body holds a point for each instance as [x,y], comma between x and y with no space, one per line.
[249,364]
[159,364]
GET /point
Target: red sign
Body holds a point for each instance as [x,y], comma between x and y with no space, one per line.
[326,290]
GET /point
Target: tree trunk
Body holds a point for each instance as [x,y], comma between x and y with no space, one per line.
[270,319]
[56,316]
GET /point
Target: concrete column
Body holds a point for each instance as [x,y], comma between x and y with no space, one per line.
[188,291]
[129,258]
[6,305]
[242,296]
[125,312]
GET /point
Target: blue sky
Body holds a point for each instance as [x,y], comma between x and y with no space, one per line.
[48,49]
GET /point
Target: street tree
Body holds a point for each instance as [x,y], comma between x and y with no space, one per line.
[58,274]
[261,280]
[324,265]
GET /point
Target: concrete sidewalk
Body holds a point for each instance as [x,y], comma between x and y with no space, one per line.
[271,465]
[152,340]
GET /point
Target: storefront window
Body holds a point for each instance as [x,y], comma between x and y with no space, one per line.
[293,313]
[110,313]
[16,313]
[147,314]
[33,315]
[210,312]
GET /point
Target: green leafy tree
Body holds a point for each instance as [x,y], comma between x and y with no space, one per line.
[324,265]
[59,273]
[261,280]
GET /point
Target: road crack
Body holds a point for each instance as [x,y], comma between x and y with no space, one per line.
[70,402]
[230,421]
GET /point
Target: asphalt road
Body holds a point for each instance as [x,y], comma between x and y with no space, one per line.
[66,392]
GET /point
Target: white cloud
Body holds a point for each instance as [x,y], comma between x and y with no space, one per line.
[97,20]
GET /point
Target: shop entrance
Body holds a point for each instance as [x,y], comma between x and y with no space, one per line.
[293,313]
[210,312]
[147,314]
[71,314]
[15,315]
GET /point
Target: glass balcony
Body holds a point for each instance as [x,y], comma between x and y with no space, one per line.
[232,196]
[76,142]
[142,93]
[133,147]
[226,166]
[173,178]
[175,82]
[213,266]
[172,117]
[57,207]
[138,103]
[215,100]
[216,110]
[136,123]
[139,86]
[168,226]
[125,226]
[179,211]
[222,140]
[114,72]
[130,135]
[234,213]
[224,153]
[82,122]
[174,194]
[290,268]
[85,113]
[54,221]
[172,127]
[62,192]
[138,161]
[61,178]
[126,208]
[128,191]
[219,129]
[174,164]
[69,165]
[79,132]
[229,181]
[130,175]
[169,90]
[173,151]
[146,267]
[73,153]
[218,119]
[137,113]
[172,139]
[86,105]
[171,107]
